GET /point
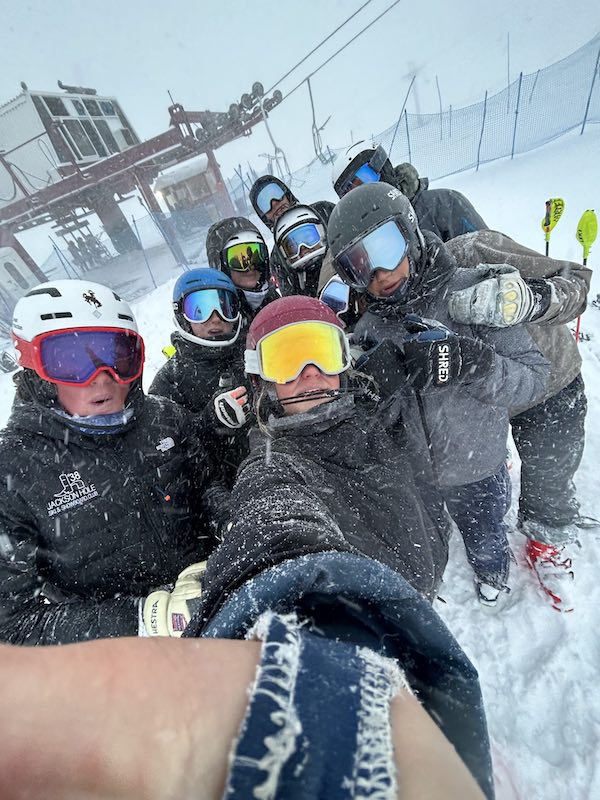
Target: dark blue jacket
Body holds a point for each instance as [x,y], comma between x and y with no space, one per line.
[360,601]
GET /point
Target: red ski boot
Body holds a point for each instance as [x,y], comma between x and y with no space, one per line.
[554,571]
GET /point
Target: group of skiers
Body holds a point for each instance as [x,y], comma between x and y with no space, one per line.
[328,409]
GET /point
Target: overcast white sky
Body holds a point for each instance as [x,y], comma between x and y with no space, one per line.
[209,53]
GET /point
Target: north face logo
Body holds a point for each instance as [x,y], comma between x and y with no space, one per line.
[74,492]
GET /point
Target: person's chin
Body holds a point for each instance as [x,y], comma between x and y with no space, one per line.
[307,405]
[250,283]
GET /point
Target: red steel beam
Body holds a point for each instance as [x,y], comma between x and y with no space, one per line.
[98,172]
[35,206]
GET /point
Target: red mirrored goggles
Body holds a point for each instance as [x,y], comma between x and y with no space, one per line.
[75,356]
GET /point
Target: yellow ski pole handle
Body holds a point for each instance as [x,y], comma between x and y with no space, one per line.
[587,230]
[554,209]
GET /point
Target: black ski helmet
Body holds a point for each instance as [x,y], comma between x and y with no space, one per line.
[349,161]
[367,207]
[260,184]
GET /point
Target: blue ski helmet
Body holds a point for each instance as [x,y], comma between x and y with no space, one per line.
[196,295]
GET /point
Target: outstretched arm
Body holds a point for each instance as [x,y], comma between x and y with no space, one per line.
[140,719]
[122,719]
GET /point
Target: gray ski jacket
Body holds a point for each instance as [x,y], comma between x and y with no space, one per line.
[570,283]
[465,424]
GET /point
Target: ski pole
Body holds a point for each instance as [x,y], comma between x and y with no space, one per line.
[587,230]
[554,209]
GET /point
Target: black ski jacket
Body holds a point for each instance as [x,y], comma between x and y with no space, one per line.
[89,523]
[288,280]
[333,462]
[445,212]
[191,378]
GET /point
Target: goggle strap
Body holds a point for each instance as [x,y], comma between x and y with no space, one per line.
[303,397]
[378,159]
[251,364]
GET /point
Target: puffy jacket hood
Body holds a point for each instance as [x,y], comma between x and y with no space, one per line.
[220,232]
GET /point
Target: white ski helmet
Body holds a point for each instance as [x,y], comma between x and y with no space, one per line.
[64,305]
[243,237]
[348,162]
[298,227]
[260,256]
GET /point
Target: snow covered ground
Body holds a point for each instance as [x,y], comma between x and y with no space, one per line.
[539,669]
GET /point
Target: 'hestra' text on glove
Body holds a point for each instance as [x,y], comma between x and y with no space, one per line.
[168,613]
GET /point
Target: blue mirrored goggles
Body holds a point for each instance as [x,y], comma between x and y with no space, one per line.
[364,174]
[336,294]
[199,305]
[307,235]
[270,192]
[382,248]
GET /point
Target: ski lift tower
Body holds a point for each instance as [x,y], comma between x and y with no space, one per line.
[70,154]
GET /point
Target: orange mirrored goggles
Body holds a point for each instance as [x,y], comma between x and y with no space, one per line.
[281,356]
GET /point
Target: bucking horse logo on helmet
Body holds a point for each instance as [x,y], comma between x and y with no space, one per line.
[91,298]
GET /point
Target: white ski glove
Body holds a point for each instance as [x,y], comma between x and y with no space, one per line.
[168,613]
[501,300]
[232,407]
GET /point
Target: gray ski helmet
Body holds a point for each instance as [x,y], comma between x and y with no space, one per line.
[367,207]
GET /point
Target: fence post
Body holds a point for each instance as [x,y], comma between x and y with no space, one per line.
[137,233]
[437,83]
[589,100]
[399,117]
[512,152]
[64,261]
[534,85]
[482,127]
[508,72]
[407,137]
[450,121]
